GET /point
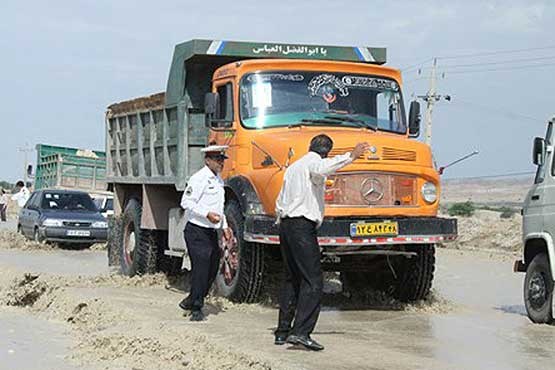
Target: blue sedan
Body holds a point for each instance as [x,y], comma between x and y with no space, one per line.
[63,216]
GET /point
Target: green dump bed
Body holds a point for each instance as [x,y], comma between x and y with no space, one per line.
[70,168]
[157,139]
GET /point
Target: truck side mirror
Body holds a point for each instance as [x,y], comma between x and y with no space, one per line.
[414,119]
[211,105]
[538,153]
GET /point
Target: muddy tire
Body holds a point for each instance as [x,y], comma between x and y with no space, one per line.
[37,237]
[411,281]
[138,247]
[242,264]
[415,275]
[112,245]
[538,290]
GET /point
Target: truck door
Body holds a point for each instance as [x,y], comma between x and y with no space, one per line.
[538,198]
[224,134]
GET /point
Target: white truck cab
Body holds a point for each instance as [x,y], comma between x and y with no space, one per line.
[538,231]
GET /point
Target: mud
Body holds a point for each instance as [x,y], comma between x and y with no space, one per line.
[474,318]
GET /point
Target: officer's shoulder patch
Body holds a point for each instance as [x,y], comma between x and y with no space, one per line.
[189,190]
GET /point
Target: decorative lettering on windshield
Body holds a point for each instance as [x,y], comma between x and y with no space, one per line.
[275,77]
[370,82]
[327,86]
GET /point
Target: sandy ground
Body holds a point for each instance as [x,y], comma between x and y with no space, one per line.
[94,320]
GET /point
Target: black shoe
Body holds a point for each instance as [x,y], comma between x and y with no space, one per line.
[280,339]
[306,341]
[197,316]
[186,304]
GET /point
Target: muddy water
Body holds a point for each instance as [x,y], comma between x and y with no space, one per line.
[30,343]
[484,327]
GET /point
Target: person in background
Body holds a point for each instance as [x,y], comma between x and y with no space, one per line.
[300,212]
[22,195]
[4,199]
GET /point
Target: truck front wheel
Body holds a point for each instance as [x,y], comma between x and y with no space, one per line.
[538,290]
[406,279]
[242,263]
[137,247]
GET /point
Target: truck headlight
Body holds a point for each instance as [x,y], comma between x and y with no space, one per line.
[429,192]
[100,225]
[50,222]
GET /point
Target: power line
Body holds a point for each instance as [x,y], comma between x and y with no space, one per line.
[494,176]
[412,66]
[500,110]
[496,63]
[532,66]
[498,52]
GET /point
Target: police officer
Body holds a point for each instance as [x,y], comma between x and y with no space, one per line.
[203,202]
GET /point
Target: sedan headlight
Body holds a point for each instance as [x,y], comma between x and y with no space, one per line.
[50,222]
[429,192]
[100,225]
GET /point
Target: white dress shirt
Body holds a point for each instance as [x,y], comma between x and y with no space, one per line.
[302,193]
[22,196]
[204,193]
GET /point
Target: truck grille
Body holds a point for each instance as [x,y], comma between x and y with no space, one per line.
[371,189]
[388,154]
[77,224]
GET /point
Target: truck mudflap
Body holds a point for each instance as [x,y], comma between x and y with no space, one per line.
[336,231]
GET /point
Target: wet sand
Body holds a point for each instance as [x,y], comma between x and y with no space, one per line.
[479,322]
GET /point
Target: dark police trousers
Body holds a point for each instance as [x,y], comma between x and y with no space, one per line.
[202,244]
[301,292]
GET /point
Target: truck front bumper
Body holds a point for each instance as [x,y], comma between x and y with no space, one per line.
[336,231]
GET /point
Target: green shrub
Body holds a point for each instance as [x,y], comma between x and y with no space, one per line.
[507,212]
[465,209]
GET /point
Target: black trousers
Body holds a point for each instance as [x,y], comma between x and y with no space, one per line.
[202,244]
[301,293]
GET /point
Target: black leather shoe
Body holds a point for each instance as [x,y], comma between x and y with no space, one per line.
[280,339]
[197,316]
[186,304]
[306,341]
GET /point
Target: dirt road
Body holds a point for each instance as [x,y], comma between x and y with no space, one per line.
[90,320]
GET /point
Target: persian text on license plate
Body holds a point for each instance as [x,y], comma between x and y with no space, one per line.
[375,229]
[78,233]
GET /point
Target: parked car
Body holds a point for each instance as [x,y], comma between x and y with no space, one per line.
[63,216]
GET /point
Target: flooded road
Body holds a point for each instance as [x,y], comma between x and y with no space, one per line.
[482,326]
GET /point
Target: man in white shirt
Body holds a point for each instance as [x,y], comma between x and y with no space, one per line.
[23,194]
[203,202]
[300,211]
[3,205]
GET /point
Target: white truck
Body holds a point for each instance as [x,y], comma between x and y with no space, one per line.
[538,230]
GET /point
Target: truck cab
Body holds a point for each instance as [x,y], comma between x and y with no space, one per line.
[538,231]
[266,102]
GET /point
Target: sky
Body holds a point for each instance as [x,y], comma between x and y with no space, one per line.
[64,61]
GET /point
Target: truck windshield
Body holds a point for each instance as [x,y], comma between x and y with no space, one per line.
[273,99]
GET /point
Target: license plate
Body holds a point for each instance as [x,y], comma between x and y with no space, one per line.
[78,233]
[375,229]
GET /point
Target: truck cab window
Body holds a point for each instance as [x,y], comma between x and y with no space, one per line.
[226,103]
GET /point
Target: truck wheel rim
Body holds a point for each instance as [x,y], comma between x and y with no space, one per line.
[537,289]
[129,246]
[230,261]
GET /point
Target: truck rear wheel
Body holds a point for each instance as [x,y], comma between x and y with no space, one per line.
[406,279]
[138,247]
[242,263]
[538,290]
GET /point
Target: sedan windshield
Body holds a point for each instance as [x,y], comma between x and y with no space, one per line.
[274,99]
[68,202]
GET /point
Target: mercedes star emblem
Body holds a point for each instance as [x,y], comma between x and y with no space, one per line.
[372,190]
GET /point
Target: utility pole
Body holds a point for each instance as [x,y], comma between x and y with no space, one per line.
[25,149]
[431,98]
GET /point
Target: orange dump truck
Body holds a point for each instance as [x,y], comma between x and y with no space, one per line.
[266,101]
